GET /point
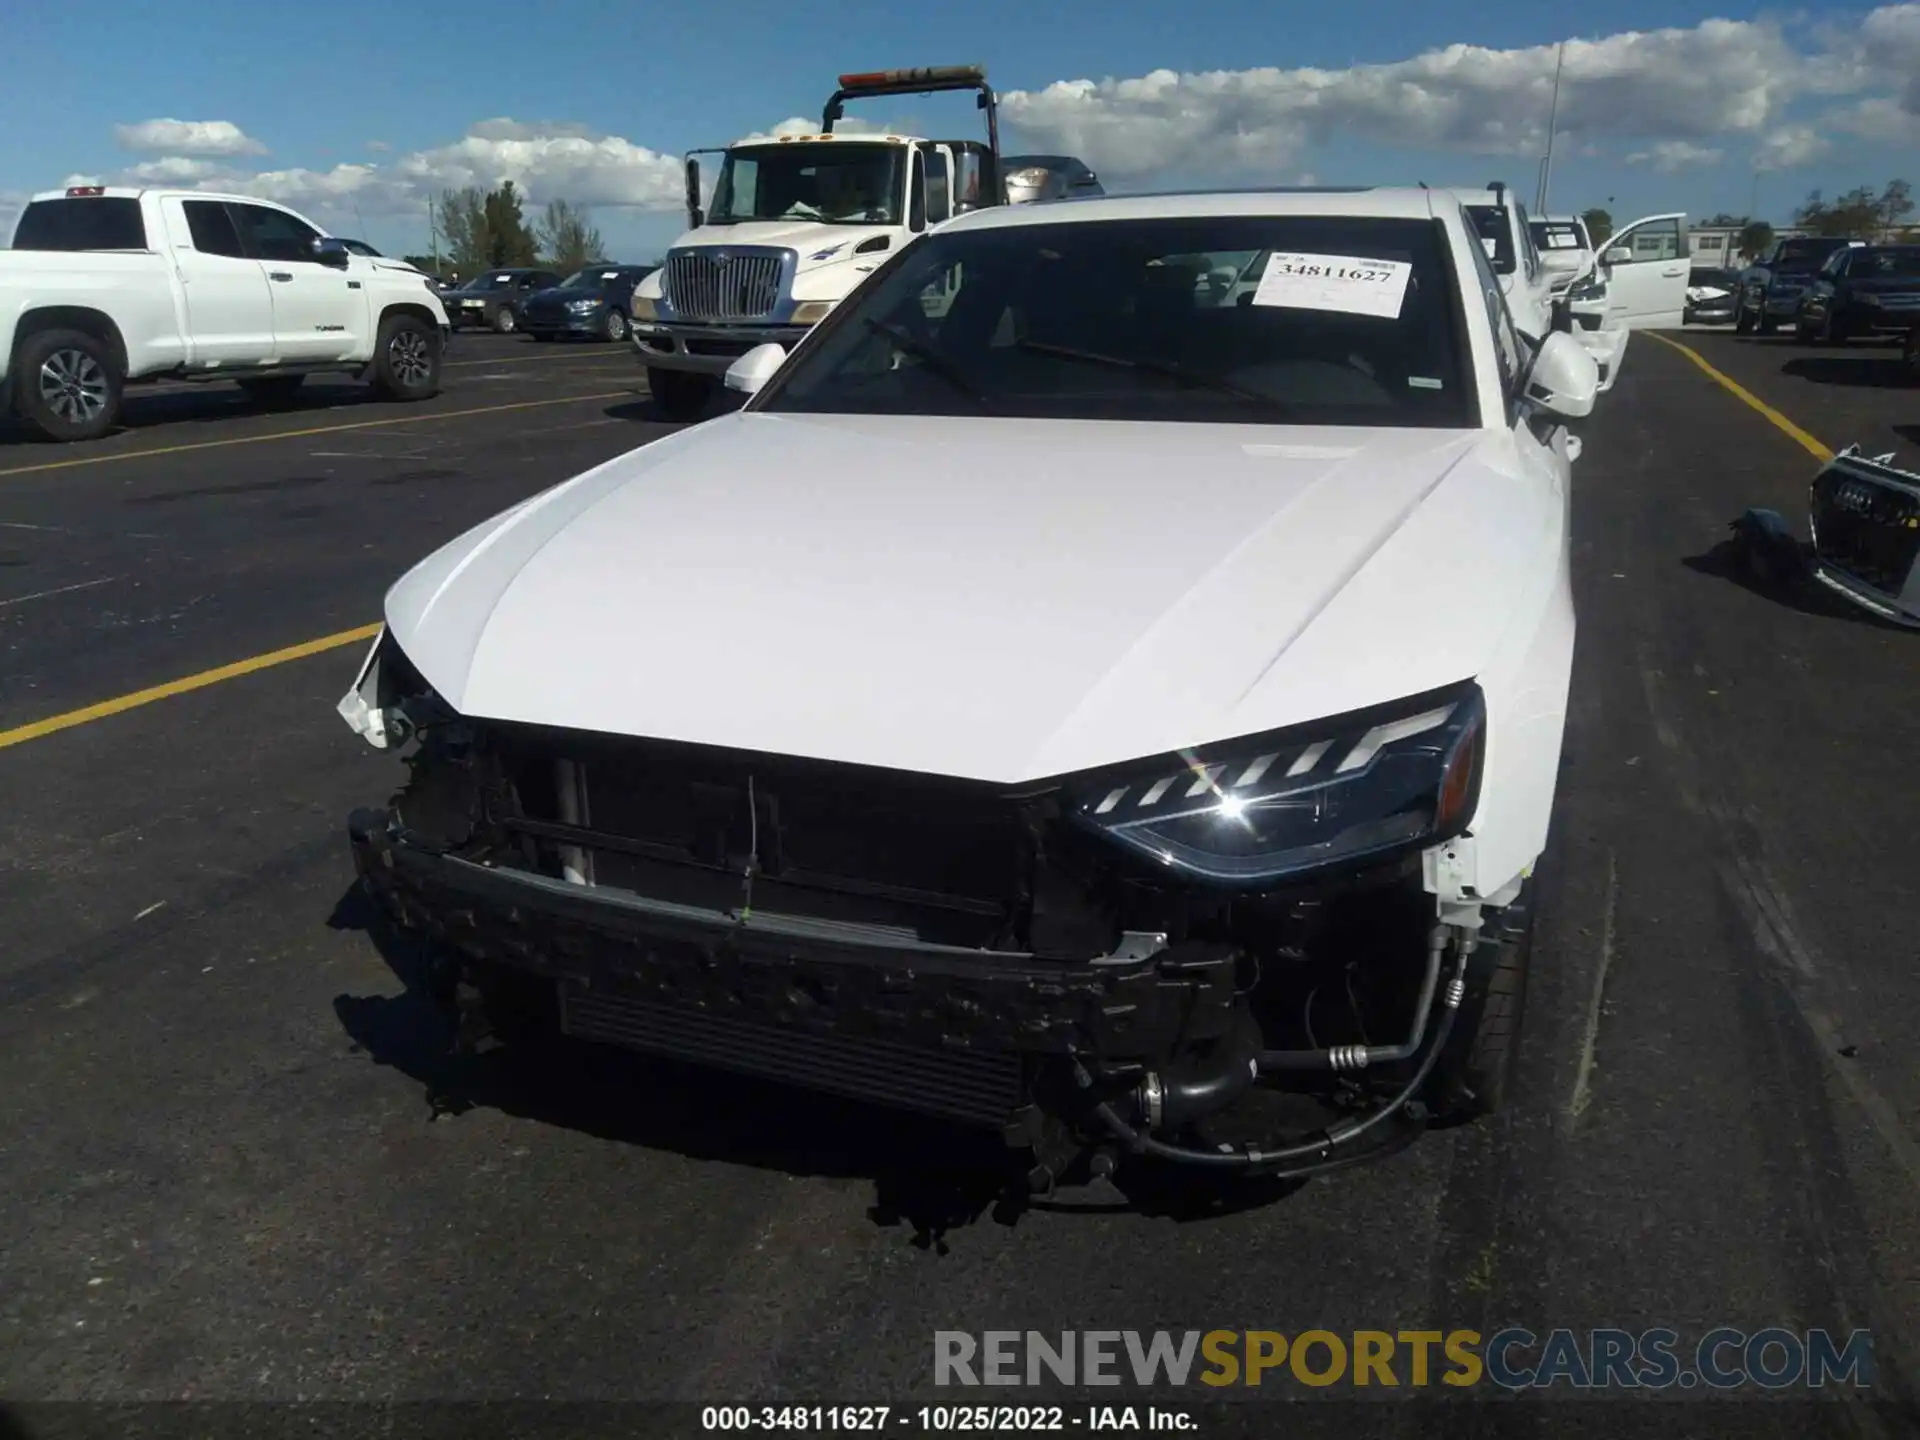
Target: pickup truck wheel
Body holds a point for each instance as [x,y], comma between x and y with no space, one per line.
[406,361]
[1475,1072]
[273,389]
[680,394]
[614,327]
[68,386]
[505,321]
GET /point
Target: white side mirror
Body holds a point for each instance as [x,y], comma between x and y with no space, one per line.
[1564,379]
[1617,255]
[753,369]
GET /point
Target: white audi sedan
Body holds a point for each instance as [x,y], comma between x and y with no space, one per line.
[1069,696]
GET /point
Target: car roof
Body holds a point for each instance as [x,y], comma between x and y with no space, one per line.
[1357,202]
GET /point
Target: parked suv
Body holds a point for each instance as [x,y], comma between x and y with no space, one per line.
[495,298]
[1770,289]
[596,302]
[1862,290]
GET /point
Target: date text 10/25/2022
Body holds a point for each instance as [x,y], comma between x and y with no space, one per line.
[945,1419]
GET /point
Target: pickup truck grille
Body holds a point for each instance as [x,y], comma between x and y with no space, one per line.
[723,285]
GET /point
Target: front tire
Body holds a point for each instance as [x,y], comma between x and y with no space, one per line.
[614,328]
[505,320]
[68,385]
[681,395]
[406,359]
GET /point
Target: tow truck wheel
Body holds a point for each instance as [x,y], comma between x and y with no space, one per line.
[67,385]
[680,394]
[1474,1074]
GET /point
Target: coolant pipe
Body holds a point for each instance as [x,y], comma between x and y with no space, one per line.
[1342,1058]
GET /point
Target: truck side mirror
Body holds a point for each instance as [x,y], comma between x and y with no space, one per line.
[696,217]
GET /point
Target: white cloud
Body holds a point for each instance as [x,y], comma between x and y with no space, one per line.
[169,170]
[380,147]
[1667,156]
[849,125]
[188,137]
[1788,146]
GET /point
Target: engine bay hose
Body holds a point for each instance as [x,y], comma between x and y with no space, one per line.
[1320,1146]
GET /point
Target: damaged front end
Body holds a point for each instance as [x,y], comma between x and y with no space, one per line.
[1171,958]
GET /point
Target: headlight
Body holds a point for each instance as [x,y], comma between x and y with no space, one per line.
[1250,811]
[811,312]
[580,307]
[644,309]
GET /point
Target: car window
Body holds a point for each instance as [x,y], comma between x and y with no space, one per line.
[1551,235]
[1652,241]
[96,222]
[1496,236]
[1895,260]
[1506,340]
[274,234]
[1352,321]
[213,229]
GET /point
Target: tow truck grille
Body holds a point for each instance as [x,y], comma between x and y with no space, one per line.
[723,285]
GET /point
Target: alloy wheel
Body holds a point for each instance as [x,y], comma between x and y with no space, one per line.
[74,386]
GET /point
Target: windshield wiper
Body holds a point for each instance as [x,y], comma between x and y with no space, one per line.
[1198,378]
[927,356]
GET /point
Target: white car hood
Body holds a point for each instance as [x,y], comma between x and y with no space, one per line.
[995,599]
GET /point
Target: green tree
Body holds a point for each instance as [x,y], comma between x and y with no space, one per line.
[463,223]
[1854,214]
[1599,225]
[1724,221]
[567,239]
[1755,237]
[509,241]
[1895,204]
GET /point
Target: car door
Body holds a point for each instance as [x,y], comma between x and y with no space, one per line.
[319,313]
[229,319]
[1647,285]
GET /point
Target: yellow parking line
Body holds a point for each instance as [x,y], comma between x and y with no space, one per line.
[1740,392]
[419,418]
[186,684]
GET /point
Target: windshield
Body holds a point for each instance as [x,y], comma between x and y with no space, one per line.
[1496,235]
[1552,235]
[495,281]
[1805,254]
[834,182]
[1304,320]
[1897,260]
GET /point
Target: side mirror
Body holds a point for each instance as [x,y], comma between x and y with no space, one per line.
[1564,378]
[1616,255]
[753,369]
[331,252]
[696,217]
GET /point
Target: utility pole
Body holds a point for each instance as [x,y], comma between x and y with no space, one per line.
[433,236]
[1553,120]
[1753,202]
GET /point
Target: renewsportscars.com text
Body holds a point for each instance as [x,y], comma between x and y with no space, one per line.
[1512,1359]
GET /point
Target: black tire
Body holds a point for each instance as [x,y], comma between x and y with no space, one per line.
[273,389]
[681,394]
[67,385]
[1474,1074]
[1764,323]
[406,358]
[506,320]
[614,327]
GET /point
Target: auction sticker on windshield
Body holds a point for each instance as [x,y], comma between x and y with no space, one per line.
[1350,284]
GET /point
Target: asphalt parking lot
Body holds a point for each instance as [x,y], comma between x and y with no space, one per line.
[235,1164]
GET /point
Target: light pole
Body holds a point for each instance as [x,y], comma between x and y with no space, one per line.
[1553,120]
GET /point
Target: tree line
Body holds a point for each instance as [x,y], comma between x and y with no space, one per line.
[487,229]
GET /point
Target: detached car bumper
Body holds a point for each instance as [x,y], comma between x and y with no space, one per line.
[706,349]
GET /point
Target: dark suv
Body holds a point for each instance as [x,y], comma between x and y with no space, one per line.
[495,298]
[595,302]
[1770,289]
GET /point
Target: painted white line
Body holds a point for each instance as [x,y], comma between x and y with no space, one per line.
[1583,1076]
[63,590]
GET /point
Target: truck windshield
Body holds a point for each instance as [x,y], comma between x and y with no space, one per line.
[828,181]
[1797,255]
[1496,234]
[1293,320]
[98,222]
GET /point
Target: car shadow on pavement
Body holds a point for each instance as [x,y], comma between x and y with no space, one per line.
[203,404]
[642,408]
[928,1176]
[1867,369]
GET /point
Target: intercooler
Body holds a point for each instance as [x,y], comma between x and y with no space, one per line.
[970,1086]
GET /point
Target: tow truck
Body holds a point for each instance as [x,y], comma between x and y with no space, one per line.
[796,222]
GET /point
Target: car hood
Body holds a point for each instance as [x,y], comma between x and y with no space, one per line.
[997,599]
[1886,285]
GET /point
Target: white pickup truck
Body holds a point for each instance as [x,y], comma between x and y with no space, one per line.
[105,285]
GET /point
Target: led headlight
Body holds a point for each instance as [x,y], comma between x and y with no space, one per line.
[1255,810]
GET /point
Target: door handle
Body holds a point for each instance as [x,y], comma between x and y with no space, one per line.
[280,275]
[1675,271]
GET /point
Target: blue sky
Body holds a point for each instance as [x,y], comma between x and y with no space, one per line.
[355,112]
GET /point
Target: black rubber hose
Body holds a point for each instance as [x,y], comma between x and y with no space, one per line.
[1252,1158]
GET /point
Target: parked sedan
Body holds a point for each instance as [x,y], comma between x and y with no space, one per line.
[1862,290]
[494,298]
[595,303]
[1710,296]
